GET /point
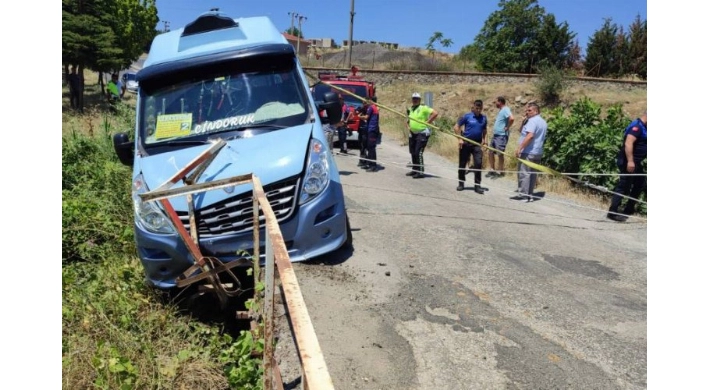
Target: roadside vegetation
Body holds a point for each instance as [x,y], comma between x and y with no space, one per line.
[117,333]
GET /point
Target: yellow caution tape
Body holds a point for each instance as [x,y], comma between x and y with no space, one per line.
[530,164]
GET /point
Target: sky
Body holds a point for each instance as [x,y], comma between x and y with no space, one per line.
[410,23]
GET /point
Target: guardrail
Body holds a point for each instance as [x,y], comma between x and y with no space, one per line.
[315,373]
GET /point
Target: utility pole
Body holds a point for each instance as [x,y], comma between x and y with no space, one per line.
[300,32]
[350,39]
[293,15]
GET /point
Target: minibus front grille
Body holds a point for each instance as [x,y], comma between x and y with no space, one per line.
[236,215]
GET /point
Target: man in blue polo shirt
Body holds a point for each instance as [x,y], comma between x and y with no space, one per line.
[474,128]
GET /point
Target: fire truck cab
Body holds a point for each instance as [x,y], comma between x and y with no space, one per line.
[351,83]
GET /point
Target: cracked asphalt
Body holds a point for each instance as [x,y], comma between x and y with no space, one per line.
[456,290]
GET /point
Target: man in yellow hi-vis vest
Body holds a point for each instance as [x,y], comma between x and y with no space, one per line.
[419,133]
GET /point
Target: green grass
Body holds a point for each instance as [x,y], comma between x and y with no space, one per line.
[117,333]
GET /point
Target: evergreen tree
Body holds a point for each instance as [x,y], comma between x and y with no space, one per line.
[621,57]
[637,47]
[600,60]
[106,35]
[574,61]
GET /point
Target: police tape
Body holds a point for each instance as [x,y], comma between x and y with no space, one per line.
[490,187]
[529,163]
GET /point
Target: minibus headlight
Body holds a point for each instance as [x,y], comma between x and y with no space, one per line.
[317,178]
[149,214]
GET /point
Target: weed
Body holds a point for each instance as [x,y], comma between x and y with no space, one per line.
[551,83]
[117,333]
[96,207]
[242,370]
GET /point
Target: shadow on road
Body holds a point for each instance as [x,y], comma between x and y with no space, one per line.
[333,258]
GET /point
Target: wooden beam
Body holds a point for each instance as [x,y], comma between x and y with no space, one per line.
[315,371]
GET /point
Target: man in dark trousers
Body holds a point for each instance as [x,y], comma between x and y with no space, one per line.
[472,125]
[362,136]
[343,130]
[630,160]
[420,116]
[75,89]
[372,117]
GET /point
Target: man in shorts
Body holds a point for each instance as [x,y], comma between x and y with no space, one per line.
[501,129]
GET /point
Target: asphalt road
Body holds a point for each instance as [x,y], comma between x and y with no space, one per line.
[456,290]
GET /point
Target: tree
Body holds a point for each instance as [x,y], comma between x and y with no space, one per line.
[552,44]
[437,37]
[520,36]
[106,35]
[134,26]
[467,53]
[601,51]
[574,60]
[637,53]
[621,48]
[613,52]
[83,32]
[434,38]
[294,31]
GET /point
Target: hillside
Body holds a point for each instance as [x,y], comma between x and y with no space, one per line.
[374,56]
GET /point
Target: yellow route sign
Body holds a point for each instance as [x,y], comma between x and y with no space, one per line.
[173,125]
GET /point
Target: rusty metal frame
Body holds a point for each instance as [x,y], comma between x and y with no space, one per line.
[315,373]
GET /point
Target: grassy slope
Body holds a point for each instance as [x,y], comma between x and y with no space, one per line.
[116,332]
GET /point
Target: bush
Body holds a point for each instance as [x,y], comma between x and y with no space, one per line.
[96,204]
[444,124]
[551,83]
[585,142]
[116,332]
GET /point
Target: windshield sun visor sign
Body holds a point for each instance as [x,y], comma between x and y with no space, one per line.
[173,125]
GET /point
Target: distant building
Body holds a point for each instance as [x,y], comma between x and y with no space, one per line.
[293,40]
[325,43]
[388,45]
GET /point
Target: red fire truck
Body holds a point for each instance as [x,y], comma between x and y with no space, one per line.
[351,83]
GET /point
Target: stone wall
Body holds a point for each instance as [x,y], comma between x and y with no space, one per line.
[384,77]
